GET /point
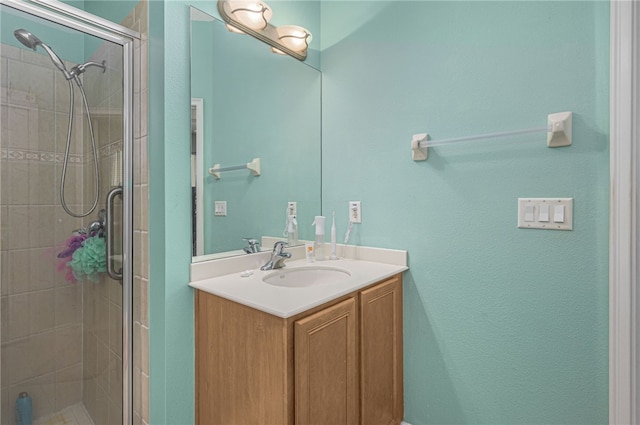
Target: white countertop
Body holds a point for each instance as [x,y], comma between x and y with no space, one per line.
[288,301]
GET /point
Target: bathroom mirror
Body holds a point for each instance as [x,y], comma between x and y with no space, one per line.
[249,103]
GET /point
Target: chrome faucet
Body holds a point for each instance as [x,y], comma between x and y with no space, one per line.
[254,246]
[278,255]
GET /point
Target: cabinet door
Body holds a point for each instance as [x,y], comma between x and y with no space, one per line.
[326,366]
[381,353]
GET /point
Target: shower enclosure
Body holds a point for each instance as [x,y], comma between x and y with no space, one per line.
[65,215]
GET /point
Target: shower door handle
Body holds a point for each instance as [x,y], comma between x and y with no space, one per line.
[113,274]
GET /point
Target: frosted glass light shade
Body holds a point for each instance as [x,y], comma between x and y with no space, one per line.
[294,37]
[252,14]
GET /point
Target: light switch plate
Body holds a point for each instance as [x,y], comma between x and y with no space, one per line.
[549,219]
[220,208]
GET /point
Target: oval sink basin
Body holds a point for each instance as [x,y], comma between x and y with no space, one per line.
[301,277]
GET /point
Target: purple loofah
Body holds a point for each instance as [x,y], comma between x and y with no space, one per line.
[73,243]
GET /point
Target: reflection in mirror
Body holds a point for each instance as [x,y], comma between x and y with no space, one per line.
[197,174]
[254,104]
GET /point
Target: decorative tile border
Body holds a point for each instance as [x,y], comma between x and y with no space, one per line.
[42,156]
[111,149]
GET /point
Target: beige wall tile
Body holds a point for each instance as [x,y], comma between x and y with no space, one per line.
[115,118]
[137,348]
[68,305]
[89,355]
[17,183]
[102,319]
[41,312]
[144,349]
[144,397]
[137,381]
[3,72]
[115,380]
[136,299]
[41,190]
[7,406]
[40,347]
[101,415]
[18,271]
[4,119]
[46,136]
[15,230]
[4,268]
[19,133]
[68,346]
[115,329]
[89,396]
[42,264]
[33,79]
[17,317]
[102,366]
[35,58]
[68,386]
[144,303]
[115,291]
[4,319]
[41,221]
[61,90]
[114,412]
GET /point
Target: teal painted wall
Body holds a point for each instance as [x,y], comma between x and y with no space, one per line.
[501,325]
[171,300]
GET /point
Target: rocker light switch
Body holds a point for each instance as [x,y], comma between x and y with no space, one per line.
[528,212]
[538,213]
[558,214]
[544,213]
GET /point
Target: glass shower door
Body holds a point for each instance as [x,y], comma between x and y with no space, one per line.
[65,232]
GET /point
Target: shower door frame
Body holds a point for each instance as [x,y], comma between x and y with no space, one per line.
[62,14]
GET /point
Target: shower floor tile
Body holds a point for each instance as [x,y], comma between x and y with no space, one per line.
[72,415]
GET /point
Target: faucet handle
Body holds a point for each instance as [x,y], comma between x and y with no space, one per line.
[254,245]
[279,246]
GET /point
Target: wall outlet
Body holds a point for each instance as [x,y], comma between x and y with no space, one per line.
[355,211]
[292,208]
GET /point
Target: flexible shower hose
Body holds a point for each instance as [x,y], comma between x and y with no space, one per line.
[67,149]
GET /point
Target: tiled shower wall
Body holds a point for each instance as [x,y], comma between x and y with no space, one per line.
[102,301]
[41,311]
[102,390]
[44,322]
[138,21]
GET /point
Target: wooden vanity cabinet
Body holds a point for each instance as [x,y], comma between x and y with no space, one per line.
[336,364]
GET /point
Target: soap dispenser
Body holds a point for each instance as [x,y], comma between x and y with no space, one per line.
[319,248]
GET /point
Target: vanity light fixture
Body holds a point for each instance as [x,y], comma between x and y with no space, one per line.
[252,17]
[253,14]
[294,37]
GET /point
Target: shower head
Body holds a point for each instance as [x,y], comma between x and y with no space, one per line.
[26,38]
[31,41]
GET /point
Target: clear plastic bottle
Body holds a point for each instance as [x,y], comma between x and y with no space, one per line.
[292,230]
[319,248]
